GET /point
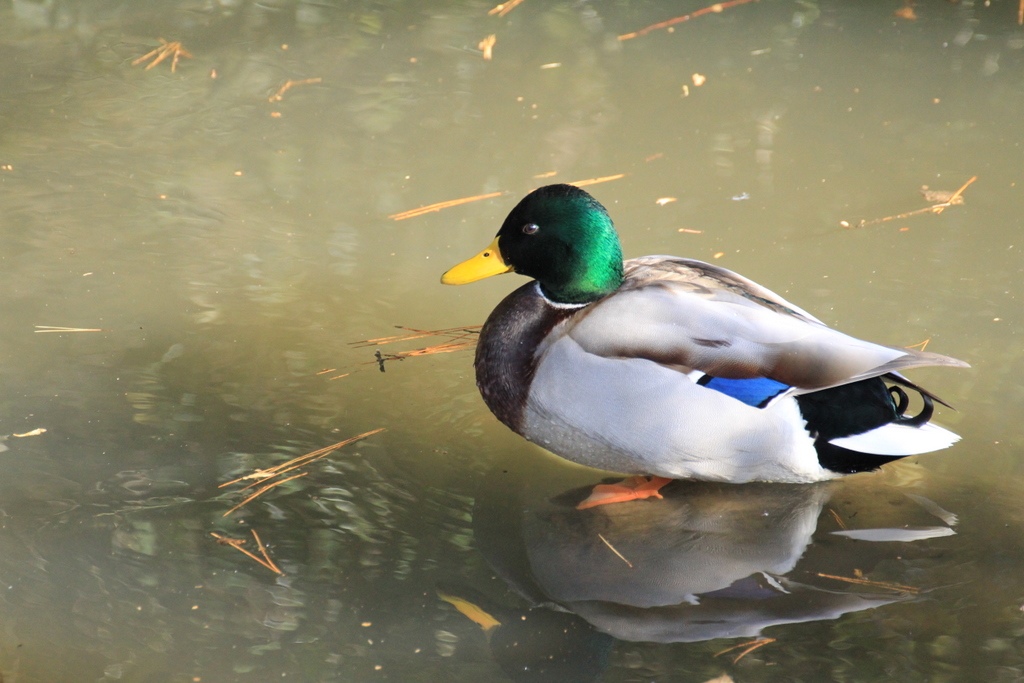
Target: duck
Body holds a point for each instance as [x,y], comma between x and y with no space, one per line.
[665,368]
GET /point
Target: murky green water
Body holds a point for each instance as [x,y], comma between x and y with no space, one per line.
[231,246]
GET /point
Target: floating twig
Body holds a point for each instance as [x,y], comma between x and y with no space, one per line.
[35,432]
[41,329]
[955,198]
[504,8]
[487,46]
[473,612]
[952,200]
[456,332]
[288,85]
[263,475]
[713,9]
[259,492]
[873,584]
[612,548]
[263,551]
[595,181]
[163,52]
[412,213]
[839,520]
[459,339]
[750,646]
[237,543]
[907,11]
[269,473]
[425,351]
[920,346]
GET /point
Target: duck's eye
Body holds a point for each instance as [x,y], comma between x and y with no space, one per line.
[530,228]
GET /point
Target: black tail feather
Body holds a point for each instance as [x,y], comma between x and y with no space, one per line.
[897,378]
[903,403]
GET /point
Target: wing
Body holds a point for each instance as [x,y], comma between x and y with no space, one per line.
[692,315]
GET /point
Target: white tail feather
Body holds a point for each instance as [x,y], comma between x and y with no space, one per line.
[897,439]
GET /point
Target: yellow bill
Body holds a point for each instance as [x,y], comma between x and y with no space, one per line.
[485,264]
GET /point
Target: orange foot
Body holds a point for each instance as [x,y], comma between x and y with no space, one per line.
[634,488]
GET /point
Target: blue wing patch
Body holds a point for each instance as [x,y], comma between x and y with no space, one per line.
[755,392]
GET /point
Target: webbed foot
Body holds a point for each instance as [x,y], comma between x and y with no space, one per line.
[634,488]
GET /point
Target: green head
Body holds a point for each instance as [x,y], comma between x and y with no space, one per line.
[562,237]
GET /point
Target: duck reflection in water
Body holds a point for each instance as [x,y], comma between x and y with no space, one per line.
[709,561]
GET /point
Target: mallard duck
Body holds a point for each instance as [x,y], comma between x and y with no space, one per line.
[676,368]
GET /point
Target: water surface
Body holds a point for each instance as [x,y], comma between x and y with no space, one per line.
[230,246]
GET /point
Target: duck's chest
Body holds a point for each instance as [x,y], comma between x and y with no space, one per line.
[506,355]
